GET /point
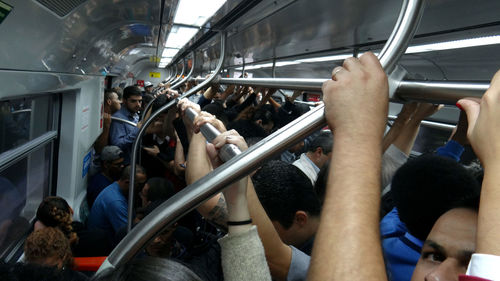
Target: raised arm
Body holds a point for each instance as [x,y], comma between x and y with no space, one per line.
[484,135]
[347,245]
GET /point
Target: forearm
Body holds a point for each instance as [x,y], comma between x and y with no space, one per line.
[102,140]
[278,255]
[198,164]
[394,132]
[405,140]
[348,237]
[488,230]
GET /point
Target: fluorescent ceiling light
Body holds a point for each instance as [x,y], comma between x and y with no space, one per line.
[327,58]
[168,52]
[179,36]
[457,44]
[165,60]
[196,12]
[162,65]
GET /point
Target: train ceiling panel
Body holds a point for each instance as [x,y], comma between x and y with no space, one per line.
[61,7]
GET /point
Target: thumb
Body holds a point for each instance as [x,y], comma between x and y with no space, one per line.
[471,107]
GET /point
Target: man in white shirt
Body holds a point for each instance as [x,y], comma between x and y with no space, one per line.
[319,152]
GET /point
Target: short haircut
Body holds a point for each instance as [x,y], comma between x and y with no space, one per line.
[159,189]
[131,91]
[158,102]
[323,140]
[264,115]
[284,189]
[321,182]
[118,91]
[126,171]
[247,129]
[426,187]
[108,94]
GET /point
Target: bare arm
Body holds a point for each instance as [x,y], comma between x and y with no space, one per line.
[484,136]
[398,125]
[103,138]
[347,245]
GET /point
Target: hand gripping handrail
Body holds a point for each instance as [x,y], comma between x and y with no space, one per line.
[150,103]
[178,84]
[135,146]
[239,166]
[180,75]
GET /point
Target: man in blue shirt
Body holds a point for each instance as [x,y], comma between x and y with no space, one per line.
[123,134]
[110,209]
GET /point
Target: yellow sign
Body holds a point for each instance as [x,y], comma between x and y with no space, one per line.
[155,74]
[154,59]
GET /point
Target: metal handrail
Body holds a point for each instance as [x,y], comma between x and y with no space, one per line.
[169,75]
[174,76]
[446,92]
[193,195]
[180,75]
[166,107]
[178,84]
[429,124]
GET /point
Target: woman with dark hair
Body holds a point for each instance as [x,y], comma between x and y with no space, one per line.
[55,212]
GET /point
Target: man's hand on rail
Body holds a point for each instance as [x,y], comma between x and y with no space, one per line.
[356,99]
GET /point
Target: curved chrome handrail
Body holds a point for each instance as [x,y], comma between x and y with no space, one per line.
[180,75]
[166,107]
[193,195]
[178,84]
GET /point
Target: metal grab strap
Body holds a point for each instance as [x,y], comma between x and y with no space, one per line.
[178,84]
[123,121]
[195,194]
[135,146]
[180,75]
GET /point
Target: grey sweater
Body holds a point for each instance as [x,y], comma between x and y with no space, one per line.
[243,257]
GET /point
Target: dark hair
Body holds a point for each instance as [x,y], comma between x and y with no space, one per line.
[284,189]
[118,91]
[147,98]
[108,94]
[216,108]
[264,115]
[131,91]
[426,187]
[54,211]
[126,171]
[247,129]
[323,140]
[149,268]
[159,189]
[159,101]
[321,182]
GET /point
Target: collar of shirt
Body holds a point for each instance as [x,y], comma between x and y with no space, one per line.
[316,169]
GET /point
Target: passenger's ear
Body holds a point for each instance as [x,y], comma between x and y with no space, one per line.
[301,218]
[318,151]
[259,122]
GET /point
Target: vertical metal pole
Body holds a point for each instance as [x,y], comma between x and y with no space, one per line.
[135,146]
[195,194]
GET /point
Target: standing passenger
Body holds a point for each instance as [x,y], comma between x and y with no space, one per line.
[123,134]
[319,152]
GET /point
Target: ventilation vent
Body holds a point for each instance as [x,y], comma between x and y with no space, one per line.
[61,7]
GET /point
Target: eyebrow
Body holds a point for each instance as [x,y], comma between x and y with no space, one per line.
[463,255]
[435,245]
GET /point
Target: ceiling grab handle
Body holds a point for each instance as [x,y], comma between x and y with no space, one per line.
[180,75]
[193,195]
[178,84]
[135,146]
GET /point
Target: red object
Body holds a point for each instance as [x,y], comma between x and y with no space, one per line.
[88,263]
[471,278]
[102,112]
[459,106]
[140,83]
[313,97]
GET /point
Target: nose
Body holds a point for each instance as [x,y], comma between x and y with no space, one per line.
[448,270]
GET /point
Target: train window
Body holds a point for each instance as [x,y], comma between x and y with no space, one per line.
[28,129]
[23,120]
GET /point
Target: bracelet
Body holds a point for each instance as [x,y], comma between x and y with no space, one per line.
[232,223]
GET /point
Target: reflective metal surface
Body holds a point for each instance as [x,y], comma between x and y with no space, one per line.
[236,168]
